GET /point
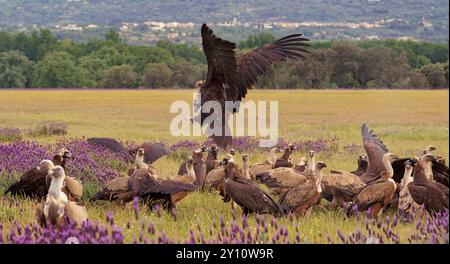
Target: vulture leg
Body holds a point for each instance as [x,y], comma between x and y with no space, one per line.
[223,140]
[40,217]
[376,209]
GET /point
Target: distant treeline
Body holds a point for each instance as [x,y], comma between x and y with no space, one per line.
[41,60]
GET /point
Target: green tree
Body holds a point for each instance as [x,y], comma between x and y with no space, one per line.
[156,75]
[186,74]
[15,69]
[435,74]
[120,76]
[113,36]
[346,63]
[95,69]
[58,69]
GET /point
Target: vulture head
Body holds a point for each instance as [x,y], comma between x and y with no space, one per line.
[197,155]
[428,158]
[245,157]
[311,154]
[232,151]
[65,153]
[320,165]
[199,84]
[45,165]
[410,163]
[228,158]
[140,152]
[212,152]
[363,161]
[232,170]
[429,149]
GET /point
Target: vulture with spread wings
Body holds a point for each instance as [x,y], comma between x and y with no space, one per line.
[152,151]
[229,77]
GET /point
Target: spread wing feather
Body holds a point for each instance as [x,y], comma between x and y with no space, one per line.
[255,62]
[375,149]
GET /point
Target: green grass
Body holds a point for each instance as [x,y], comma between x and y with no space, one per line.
[406,121]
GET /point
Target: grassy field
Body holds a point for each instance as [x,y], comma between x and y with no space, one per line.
[406,121]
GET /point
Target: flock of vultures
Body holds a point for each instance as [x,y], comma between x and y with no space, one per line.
[381,181]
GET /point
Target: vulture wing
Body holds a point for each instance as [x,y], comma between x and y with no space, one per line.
[74,188]
[140,180]
[345,182]
[399,169]
[375,149]
[373,193]
[255,62]
[112,189]
[430,195]
[221,79]
[168,187]
[111,145]
[251,198]
[153,151]
[31,184]
[440,173]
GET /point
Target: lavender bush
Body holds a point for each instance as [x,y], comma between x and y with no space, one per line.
[9,134]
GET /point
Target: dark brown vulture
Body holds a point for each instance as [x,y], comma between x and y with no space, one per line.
[362,165]
[247,194]
[375,150]
[267,164]
[166,192]
[34,182]
[199,167]
[229,77]
[285,160]
[379,193]
[302,197]
[436,170]
[123,189]
[153,151]
[433,195]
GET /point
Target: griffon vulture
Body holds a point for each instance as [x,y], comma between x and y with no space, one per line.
[302,197]
[266,165]
[153,151]
[379,193]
